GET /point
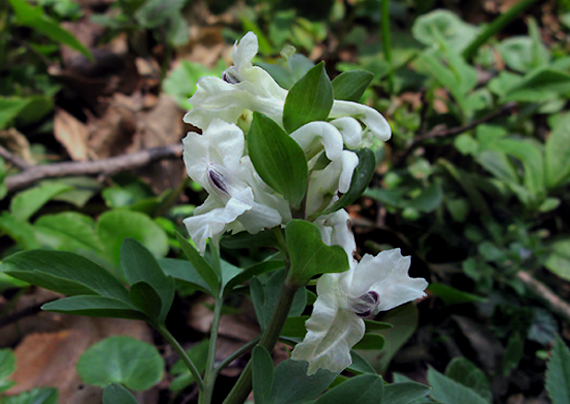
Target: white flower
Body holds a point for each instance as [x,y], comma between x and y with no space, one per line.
[238,199]
[335,230]
[245,87]
[325,184]
[374,284]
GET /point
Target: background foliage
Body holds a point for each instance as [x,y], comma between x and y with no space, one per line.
[473,184]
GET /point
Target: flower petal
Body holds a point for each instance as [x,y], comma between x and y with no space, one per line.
[350,129]
[308,136]
[221,144]
[210,220]
[335,230]
[373,120]
[245,50]
[387,275]
[331,331]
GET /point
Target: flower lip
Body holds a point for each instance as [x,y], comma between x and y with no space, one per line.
[229,77]
[366,305]
[218,180]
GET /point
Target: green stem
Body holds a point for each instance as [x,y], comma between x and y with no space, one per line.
[497,25]
[185,358]
[386,41]
[210,374]
[171,198]
[236,354]
[242,388]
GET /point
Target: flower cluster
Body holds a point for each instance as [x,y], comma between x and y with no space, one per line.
[240,200]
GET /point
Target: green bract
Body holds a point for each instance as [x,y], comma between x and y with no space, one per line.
[277,158]
[309,255]
[310,99]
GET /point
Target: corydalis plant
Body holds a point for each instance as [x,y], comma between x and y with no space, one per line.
[240,200]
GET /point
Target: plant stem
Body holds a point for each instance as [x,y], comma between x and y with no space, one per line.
[242,387]
[210,374]
[236,354]
[386,41]
[497,25]
[184,356]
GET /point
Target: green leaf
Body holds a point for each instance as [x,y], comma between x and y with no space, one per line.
[123,360]
[95,306]
[146,298]
[404,320]
[558,261]
[361,177]
[3,173]
[448,391]
[558,373]
[429,198]
[20,231]
[350,85]
[363,389]
[265,298]
[254,270]
[531,158]
[450,295]
[206,271]
[198,354]
[292,385]
[117,394]
[557,153]
[141,269]
[294,327]
[7,367]
[26,203]
[540,85]
[360,364]
[404,393]
[517,53]
[513,354]
[371,341]
[114,226]
[34,18]
[68,231]
[63,272]
[277,158]
[448,25]
[299,65]
[262,374]
[310,99]
[243,239]
[10,107]
[309,255]
[465,372]
[184,271]
[372,325]
[42,395]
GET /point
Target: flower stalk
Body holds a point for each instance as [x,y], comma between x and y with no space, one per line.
[243,386]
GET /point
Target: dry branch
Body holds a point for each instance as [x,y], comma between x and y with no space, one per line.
[105,167]
[545,294]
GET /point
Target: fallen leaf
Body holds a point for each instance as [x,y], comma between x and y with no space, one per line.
[72,134]
[16,143]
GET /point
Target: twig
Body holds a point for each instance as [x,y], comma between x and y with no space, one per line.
[442,133]
[28,311]
[17,161]
[106,167]
[544,294]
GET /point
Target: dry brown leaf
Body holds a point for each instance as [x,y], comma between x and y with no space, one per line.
[72,134]
[16,143]
[49,359]
[206,46]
